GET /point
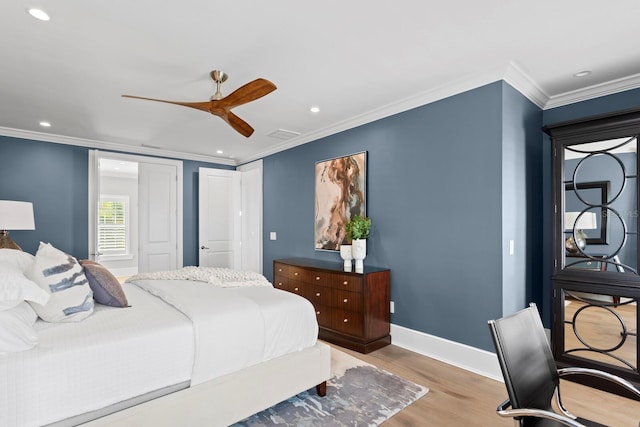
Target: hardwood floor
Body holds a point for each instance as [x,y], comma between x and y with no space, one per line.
[458,397]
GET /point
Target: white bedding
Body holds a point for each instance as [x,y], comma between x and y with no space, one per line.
[119,353]
[238,327]
[113,355]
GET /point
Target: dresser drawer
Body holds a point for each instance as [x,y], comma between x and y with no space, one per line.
[280,281]
[323,314]
[296,287]
[290,271]
[317,294]
[280,269]
[347,283]
[345,300]
[321,278]
[348,322]
[297,273]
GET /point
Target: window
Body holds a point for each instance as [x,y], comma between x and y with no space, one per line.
[113,225]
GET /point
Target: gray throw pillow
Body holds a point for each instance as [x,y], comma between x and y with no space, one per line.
[105,286]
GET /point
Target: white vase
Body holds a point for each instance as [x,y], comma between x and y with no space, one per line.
[345,254]
[359,252]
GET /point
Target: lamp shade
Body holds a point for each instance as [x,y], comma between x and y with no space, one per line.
[586,221]
[16,215]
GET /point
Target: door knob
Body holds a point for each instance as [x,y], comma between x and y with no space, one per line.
[203,247]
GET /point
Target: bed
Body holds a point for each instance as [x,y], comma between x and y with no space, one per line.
[184,351]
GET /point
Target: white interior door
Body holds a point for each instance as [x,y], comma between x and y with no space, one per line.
[219,225]
[158,244]
[251,182]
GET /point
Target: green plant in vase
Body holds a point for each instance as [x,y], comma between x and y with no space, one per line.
[358,229]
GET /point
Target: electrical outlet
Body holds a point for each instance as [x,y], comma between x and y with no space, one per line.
[392,307]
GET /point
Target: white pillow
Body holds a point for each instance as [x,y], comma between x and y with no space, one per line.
[17,259]
[61,276]
[16,329]
[16,288]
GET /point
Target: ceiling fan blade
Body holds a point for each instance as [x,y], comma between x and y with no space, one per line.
[247,93]
[204,106]
[238,124]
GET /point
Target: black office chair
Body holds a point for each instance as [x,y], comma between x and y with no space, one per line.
[531,375]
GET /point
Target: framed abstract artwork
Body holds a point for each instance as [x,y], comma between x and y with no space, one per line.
[340,195]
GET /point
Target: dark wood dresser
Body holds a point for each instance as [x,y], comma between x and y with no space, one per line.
[352,308]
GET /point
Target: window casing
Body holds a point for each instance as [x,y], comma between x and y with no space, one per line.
[113,226]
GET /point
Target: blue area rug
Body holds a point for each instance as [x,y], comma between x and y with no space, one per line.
[361,395]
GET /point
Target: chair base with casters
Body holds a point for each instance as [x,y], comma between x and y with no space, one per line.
[530,373]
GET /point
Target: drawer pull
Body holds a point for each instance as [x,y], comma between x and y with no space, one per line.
[295,274]
[346,320]
[317,294]
[279,270]
[318,312]
[279,283]
[345,283]
[345,300]
[295,289]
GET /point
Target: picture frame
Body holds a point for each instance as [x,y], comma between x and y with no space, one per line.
[340,194]
[596,193]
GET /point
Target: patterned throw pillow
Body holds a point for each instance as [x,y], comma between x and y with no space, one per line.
[60,275]
[106,288]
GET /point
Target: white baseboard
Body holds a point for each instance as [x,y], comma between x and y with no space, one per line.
[472,359]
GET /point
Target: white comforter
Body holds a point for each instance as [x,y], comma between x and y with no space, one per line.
[198,333]
[238,327]
[113,355]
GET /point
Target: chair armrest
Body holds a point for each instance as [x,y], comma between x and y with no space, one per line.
[537,413]
[600,374]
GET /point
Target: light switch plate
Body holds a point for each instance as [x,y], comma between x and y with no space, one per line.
[272,235]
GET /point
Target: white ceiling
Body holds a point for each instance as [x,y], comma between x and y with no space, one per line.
[357,60]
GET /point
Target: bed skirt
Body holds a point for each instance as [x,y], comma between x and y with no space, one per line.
[230,398]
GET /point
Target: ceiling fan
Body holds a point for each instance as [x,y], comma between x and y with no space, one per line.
[221,106]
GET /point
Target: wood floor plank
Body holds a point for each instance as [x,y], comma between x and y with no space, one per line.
[461,398]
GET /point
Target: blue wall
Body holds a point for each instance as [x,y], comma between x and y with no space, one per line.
[54,177]
[448,185]
[434,193]
[521,200]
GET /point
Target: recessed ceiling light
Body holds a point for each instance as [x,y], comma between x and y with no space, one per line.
[582,73]
[314,109]
[38,14]
[45,124]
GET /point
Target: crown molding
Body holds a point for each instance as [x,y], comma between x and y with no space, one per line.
[509,72]
[112,146]
[595,91]
[520,81]
[422,98]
